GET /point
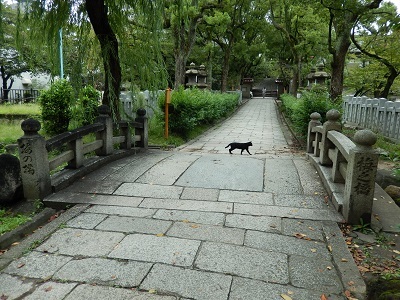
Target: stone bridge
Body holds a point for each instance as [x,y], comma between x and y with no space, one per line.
[199,223]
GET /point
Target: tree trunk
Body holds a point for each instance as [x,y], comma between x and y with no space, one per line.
[225,67]
[389,83]
[338,64]
[97,12]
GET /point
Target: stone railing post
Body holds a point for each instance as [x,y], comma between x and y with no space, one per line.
[107,134]
[143,132]
[332,123]
[315,121]
[125,131]
[34,161]
[360,178]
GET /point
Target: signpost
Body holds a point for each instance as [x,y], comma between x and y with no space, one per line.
[167,102]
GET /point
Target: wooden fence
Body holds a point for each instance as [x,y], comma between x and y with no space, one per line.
[379,115]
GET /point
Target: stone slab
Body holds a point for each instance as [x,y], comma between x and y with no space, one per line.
[83,198]
[167,171]
[312,273]
[244,262]
[387,211]
[310,181]
[151,248]
[286,244]
[188,283]
[98,292]
[13,287]
[122,211]
[149,191]
[311,229]
[281,177]
[224,172]
[304,201]
[207,233]
[86,221]
[200,217]
[130,225]
[94,187]
[132,171]
[192,205]
[287,212]
[260,223]
[249,289]
[104,271]
[73,241]
[246,197]
[37,265]
[200,194]
[51,290]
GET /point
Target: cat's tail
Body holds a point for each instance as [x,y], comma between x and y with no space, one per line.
[227,146]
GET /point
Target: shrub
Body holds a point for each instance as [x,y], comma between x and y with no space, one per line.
[55,103]
[192,108]
[299,110]
[85,110]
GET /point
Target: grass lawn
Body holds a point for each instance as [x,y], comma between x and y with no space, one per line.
[32,109]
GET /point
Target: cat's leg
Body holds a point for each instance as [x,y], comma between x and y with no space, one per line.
[248,151]
[241,152]
[230,150]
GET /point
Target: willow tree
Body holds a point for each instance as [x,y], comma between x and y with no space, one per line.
[111,22]
[343,14]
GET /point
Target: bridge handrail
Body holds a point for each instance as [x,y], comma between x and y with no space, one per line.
[351,165]
[34,149]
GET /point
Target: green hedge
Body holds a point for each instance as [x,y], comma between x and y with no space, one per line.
[299,110]
[193,107]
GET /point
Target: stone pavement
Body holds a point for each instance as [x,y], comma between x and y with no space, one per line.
[194,223]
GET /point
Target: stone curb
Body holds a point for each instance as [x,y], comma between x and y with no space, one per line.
[40,235]
[17,234]
[344,262]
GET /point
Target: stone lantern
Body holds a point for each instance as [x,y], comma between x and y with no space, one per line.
[191,75]
[320,76]
[202,77]
[310,77]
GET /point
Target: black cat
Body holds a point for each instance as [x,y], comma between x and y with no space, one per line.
[243,146]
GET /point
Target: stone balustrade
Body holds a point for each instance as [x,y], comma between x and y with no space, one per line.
[71,150]
[347,168]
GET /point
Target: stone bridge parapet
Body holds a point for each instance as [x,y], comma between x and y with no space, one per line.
[112,141]
[347,167]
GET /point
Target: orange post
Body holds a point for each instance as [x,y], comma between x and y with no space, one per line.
[167,102]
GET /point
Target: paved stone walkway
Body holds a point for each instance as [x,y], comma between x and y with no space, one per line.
[195,223]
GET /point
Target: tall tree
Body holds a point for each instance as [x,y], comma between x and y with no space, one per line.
[343,15]
[380,43]
[182,18]
[301,26]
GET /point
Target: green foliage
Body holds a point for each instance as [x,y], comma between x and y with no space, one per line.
[55,104]
[9,222]
[299,110]
[85,110]
[191,108]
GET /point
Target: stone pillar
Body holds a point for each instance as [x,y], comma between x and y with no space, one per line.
[315,121]
[77,147]
[107,134]
[332,123]
[143,132]
[34,162]
[125,131]
[360,178]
